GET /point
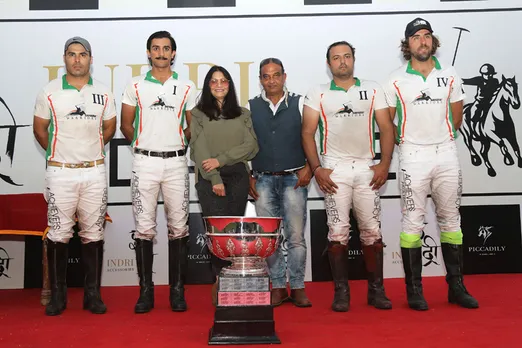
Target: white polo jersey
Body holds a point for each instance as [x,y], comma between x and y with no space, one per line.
[424,104]
[76,128]
[347,117]
[160,111]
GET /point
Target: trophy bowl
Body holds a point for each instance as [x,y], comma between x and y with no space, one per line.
[244,241]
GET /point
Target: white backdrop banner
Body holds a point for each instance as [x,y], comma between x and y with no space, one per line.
[238,37]
[218,41]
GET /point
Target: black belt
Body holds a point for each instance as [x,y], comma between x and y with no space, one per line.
[290,172]
[162,154]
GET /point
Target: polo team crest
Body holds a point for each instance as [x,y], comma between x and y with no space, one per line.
[160,104]
[488,118]
[347,111]
[79,114]
[8,130]
[425,98]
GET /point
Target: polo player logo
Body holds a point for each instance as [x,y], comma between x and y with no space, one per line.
[488,118]
[8,130]
[78,112]
[160,104]
[347,110]
[425,98]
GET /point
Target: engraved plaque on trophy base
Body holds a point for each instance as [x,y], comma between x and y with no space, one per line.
[244,314]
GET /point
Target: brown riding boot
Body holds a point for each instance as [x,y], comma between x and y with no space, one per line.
[299,298]
[278,296]
[338,256]
[373,257]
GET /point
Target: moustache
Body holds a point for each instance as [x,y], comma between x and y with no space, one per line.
[162,58]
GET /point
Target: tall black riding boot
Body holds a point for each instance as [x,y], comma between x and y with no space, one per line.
[338,257]
[412,263]
[178,250]
[457,292]
[144,258]
[373,257]
[92,259]
[57,260]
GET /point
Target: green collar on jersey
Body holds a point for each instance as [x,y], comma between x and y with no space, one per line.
[151,78]
[412,71]
[334,87]
[66,85]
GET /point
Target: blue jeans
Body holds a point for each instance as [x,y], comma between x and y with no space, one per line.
[278,198]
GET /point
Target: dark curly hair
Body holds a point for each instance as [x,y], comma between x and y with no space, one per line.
[405,47]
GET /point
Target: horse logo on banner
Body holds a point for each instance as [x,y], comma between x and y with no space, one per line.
[488,118]
[201,240]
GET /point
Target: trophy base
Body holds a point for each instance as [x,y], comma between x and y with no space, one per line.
[243,325]
[244,314]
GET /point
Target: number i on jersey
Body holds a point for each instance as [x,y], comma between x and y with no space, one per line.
[98,99]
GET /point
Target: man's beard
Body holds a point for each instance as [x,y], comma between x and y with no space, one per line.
[343,74]
[421,57]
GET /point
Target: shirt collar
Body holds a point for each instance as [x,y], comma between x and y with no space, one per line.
[410,70]
[284,97]
[334,87]
[66,85]
[151,78]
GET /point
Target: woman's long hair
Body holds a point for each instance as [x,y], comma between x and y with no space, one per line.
[208,104]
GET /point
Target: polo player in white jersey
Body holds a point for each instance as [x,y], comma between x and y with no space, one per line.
[155,116]
[74,117]
[427,97]
[346,110]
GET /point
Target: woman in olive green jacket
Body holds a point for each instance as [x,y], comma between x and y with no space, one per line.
[222,142]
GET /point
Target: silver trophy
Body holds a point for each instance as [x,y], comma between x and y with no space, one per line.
[244,313]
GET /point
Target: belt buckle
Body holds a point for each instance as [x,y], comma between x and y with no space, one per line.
[164,154]
[86,164]
[74,165]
